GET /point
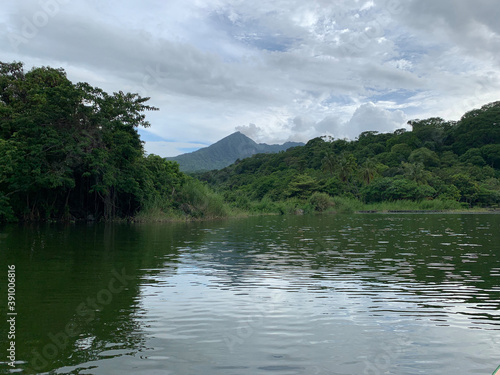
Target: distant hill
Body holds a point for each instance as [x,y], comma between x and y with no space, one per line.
[440,164]
[225,152]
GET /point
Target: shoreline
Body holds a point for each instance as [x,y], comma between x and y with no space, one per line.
[242,215]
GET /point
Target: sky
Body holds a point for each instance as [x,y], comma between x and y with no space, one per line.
[276,70]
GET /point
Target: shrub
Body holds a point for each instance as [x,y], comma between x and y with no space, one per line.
[200,201]
[347,205]
[321,201]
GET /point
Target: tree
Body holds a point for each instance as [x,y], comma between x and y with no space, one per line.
[74,149]
[469,190]
[367,171]
[415,172]
[401,151]
[345,165]
[425,156]
[302,186]
[328,163]
[473,156]
[491,154]
[476,129]
[431,131]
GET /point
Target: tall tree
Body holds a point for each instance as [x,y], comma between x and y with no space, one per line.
[73,149]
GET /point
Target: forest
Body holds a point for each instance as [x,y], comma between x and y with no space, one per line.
[72,152]
[437,165]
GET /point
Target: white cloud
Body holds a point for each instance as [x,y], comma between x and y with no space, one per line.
[291,68]
[252,131]
[366,117]
[369,117]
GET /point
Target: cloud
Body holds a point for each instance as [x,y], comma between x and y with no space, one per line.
[252,131]
[471,26]
[165,148]
[333,126]
[290,69]
[368,117]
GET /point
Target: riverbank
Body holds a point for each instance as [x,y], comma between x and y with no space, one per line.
[319,204]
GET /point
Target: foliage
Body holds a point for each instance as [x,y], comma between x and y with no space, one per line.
[200,201]
[477,128]
[321,201]
[302,186]
[72,151]
[439,161]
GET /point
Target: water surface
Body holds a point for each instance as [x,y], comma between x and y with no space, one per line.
[331,294]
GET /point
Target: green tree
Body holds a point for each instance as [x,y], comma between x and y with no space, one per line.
[75,148]
[425,156]
[368,170]
[328,163]
[302,186]
[473,156]
[345,166]
[415,172]
[491,154]
[401,151]
[476,129]
[469,189]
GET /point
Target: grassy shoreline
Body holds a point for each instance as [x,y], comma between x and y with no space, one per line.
[325,205]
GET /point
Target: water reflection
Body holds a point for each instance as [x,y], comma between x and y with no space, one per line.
[394,294]
[77,289]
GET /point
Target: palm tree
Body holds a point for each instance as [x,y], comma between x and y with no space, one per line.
[346,164]
[328,163]
[368,171]
[415,172]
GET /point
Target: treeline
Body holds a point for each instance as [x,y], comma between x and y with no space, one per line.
[72,152]
[439,164]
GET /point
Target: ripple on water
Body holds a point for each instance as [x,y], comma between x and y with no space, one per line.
[354,294]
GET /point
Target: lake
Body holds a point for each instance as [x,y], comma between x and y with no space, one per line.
[329,294]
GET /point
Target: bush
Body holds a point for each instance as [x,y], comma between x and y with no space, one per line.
[450,192]
[391,189]
[347,205]
[321,201]
[200,201]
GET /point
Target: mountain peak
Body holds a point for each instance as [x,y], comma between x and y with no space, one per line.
[235,136]
[225,152]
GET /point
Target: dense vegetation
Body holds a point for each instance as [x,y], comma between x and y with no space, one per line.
[72,151]
[439,164]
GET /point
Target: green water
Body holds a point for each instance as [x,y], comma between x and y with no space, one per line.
[331,294]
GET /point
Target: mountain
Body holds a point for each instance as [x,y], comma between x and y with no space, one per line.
[225,152]
[438,165]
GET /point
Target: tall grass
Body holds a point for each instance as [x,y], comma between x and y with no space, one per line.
[406,205]
[198,201]
[194,200]
[202,202]
[347,205]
